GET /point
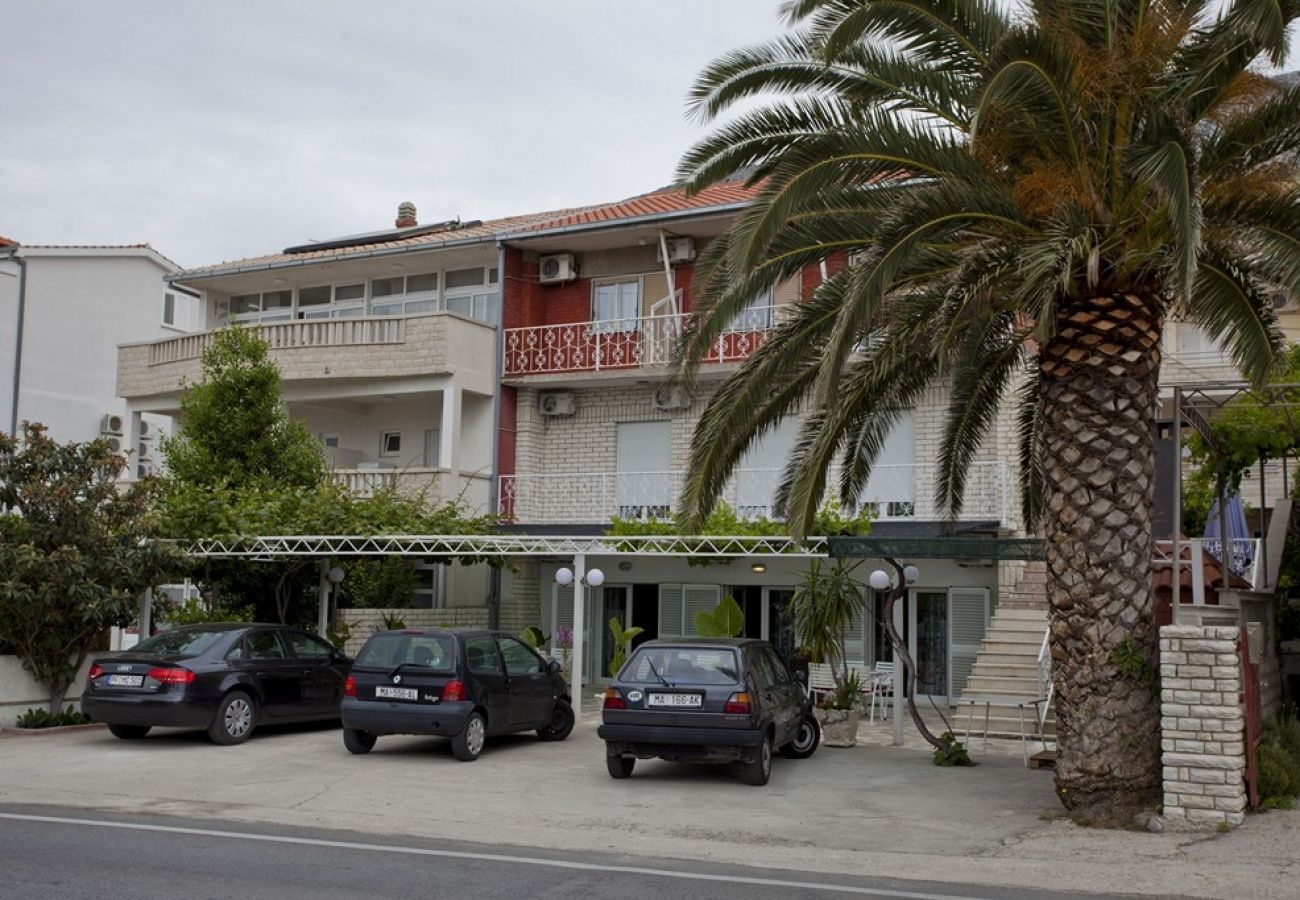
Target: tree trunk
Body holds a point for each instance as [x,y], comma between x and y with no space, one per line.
[1099,382]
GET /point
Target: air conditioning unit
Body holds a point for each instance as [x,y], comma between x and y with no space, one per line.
[111,424]
[144,452]
[680,249]
[144,470]
[145,430]
[557,403]
[670,396]
[1282,302]
[557,268]
[114,443]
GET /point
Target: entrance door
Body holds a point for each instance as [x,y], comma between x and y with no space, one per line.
[928,642]
[617,603]
[777,628]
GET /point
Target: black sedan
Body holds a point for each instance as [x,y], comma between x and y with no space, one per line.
[465,684]
[226,678]
[707,700]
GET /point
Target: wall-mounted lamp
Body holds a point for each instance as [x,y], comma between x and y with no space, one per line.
[758,568]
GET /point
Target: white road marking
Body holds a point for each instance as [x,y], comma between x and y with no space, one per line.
[491,857]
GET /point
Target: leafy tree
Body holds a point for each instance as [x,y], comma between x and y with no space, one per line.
[75,552]
[239,466]
[1027,192]
[379,583]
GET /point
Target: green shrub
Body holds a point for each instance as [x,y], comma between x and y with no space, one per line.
[846,695]
[41,718]
[953,752]
[391,620]
[196,611]
[1278,761]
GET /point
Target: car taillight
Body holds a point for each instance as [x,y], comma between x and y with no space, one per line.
[349,687]
[614,700]
[737,705]
[95,671]
[453,692]
[172,675]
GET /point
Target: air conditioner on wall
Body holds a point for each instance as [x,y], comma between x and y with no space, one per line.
[145,429]
[110,424]
[114,444]
[670,396]
[557,403]
[557,268]
[680,249]
[144,470]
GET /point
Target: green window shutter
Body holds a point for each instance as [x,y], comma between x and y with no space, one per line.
[968,615]
[697,598]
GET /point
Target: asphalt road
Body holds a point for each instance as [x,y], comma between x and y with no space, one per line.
[48,852]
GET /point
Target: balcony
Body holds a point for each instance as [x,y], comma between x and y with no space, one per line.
[323,348]
[896,492]
[601,346]
[436,484]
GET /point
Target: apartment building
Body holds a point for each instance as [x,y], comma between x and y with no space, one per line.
[63,309]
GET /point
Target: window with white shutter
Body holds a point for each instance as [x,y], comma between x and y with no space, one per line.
[968,614]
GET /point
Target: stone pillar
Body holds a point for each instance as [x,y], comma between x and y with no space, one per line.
[1202,726]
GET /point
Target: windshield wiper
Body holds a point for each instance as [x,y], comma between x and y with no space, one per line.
[656,672]
[406,665]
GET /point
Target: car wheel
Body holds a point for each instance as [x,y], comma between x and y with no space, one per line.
[759,770]
[561,723]
[619,766]
[235,718]
[358,741]
[469,743]
[805,740]
[129,732]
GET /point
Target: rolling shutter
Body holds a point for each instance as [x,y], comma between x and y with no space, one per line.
[562,616]
[670,610]
[697,598]
[857,637]
[968,612]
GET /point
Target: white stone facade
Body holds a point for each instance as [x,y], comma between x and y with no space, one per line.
[1202,726]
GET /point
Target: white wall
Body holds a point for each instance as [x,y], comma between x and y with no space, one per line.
[8,337]
[78,309]
[360,424]
[19,692]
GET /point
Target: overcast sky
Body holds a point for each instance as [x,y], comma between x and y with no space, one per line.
[220,130]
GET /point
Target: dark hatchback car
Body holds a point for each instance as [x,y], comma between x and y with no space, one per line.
[707,700]
[226,678]
[463,684]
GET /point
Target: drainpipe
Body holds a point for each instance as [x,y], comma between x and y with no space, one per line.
[18,341]
[494,486]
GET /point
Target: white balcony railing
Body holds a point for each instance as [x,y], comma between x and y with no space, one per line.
[1245,555]
[287,335]
[627,343]
[896,492]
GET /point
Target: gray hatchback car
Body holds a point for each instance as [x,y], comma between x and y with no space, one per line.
[707,700]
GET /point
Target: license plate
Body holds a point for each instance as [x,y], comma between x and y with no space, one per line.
[125,680]
[397,693]
[694,700]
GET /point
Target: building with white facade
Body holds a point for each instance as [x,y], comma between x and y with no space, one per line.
[63,310]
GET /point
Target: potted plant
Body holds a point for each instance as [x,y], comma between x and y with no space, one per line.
[821,611]
[840,713]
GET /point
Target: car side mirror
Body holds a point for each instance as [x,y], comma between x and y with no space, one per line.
[341,657]
[553,666]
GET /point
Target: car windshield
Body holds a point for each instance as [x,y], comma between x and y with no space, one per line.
[682,665]
[428,651]
[180,643]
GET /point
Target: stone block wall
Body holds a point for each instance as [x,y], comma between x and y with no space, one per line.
[365,622]
[1202,726]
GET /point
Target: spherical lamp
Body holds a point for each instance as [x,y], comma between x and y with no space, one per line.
[595,577]
[335,575]
[910,574]
[564,575]
[879,580]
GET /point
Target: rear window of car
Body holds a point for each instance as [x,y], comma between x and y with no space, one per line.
[180,643]
[682,665]
[430,651]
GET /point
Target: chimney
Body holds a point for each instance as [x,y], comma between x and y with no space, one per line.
[405,215]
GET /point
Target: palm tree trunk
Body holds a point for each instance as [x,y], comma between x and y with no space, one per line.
[1099,383]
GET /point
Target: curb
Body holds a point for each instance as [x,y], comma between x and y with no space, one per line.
[37,732]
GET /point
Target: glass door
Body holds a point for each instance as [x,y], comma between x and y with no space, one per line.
[777,628]
[616,603]
[928,642]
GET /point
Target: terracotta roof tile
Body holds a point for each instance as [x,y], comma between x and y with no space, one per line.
[7,242]
[665,200]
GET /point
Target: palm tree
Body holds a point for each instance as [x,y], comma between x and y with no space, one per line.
[1026,193]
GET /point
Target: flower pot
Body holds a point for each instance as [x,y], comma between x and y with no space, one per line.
[839,726]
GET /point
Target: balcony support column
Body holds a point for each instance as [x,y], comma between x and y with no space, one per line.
[449,436]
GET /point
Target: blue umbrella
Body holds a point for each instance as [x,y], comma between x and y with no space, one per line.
[1237,531]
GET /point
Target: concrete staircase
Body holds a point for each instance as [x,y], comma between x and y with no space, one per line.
[1007,665]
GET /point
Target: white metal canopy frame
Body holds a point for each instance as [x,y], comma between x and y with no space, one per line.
[272,548]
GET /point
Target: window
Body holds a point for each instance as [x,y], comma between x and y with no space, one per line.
[169,309]
[462,278]
[470,292]
[482,656]
[394,648]
[756,316]
[180,642]
[615,306]
[273,306]
[430,586]
[264,645]
[682,665]
[390,443]
[432,447]
[330,440]
[779,669]
[519,659]
[643,483]
[308,646]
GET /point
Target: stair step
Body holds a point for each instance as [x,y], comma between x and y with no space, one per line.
[1001,658]
[1012,636]
[1020,626]
[1001,685]
[1025,671]
[1028,615]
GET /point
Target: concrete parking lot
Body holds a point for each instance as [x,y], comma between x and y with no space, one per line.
[868,810]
